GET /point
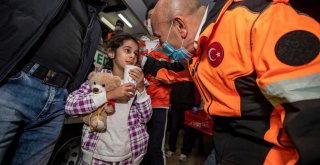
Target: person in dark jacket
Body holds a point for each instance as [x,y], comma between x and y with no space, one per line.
[46,50]
[183,97]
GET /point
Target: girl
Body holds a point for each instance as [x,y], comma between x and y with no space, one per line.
[125,140]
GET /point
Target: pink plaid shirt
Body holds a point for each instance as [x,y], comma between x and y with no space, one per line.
[80,102]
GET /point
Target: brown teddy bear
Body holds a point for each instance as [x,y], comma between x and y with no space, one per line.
[101,82]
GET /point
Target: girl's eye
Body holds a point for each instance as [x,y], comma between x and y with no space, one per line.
[103,85]
[127,51]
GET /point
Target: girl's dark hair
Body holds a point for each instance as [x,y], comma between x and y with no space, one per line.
[115,42]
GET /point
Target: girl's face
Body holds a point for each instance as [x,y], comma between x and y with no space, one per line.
[126,54]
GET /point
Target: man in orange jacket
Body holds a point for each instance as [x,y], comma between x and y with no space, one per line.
[256,65]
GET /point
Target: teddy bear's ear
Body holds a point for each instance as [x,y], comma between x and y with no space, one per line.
[91,74]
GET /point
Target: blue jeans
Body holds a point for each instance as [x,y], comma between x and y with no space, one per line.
[31,118]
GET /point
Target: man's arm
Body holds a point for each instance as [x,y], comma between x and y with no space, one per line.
[285,54]
[165,71]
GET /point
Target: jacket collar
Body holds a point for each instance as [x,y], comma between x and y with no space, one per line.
[213,13]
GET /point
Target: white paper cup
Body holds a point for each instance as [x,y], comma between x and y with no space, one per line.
[127,78]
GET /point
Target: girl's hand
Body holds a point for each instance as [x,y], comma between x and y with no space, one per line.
[138,76]
[122,93]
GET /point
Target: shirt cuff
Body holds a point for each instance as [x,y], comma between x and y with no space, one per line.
[141,97]
[99,99]
[143,61]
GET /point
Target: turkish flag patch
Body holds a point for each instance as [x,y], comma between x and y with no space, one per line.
[215,54]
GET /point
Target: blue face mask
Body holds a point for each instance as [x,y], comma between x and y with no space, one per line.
[176,55]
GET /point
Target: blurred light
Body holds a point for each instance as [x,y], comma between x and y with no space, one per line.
[105,21]
[125,20]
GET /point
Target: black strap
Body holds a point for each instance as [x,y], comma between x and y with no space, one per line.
[48,76]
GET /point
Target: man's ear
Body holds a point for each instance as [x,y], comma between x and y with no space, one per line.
[145,23]
[179,22]
[110,53]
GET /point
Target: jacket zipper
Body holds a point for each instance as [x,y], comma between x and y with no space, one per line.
[201,86]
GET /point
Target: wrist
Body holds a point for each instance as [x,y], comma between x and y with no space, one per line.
[142,96]
[109,96]
[140,87]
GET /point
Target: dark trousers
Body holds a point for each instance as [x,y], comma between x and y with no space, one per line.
[156,129]
[190,134]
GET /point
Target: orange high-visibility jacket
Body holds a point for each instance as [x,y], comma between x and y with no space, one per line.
[257,68]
